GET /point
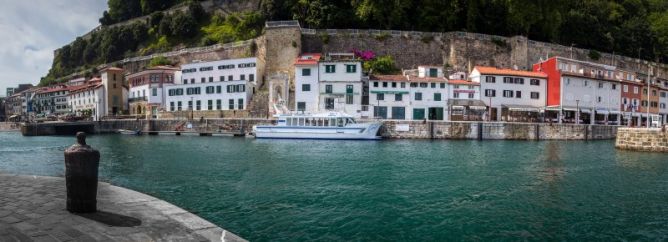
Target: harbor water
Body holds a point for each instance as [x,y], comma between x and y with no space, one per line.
[393,190]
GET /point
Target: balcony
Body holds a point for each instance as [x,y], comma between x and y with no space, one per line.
[137,99]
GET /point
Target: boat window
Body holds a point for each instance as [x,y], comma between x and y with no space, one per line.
[332,122]
[308,122]
[326,122]
[301,121]
[315,122]
[289,122]
[339,122]
[351,121]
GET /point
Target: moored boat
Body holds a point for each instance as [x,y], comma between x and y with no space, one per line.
[332,125]
[129,132]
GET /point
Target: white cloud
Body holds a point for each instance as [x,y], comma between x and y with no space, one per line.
[32,30]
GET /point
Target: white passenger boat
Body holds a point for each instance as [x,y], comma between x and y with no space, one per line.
[331,125]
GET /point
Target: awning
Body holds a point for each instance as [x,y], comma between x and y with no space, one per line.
[390,92]
[602,111]
[615,112]
[522,108]
[478,107]
[466,102]
[585,110]
[14,116]
[457,107]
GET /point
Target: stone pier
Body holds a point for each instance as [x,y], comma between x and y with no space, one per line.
[642,139]
[32,208]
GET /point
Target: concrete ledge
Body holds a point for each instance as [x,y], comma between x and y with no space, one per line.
[33,208]
[642,139]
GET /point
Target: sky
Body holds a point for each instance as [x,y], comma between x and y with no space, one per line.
[30,30]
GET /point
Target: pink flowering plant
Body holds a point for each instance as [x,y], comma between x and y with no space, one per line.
[365,55]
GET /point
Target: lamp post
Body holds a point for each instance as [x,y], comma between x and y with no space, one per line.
[649,80]
[577,111]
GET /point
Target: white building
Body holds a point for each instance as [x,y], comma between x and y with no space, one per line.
[513,95]
[464,101]
[340,83]
[416,95]
[306,83]
[87,99]
[663,104]
[216,85]
[51,100]
[148,90]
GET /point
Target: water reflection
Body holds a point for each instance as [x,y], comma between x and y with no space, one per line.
[554,166]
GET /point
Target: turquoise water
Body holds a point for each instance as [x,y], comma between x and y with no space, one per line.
[285,190]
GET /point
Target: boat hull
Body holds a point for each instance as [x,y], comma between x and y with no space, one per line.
[356,132]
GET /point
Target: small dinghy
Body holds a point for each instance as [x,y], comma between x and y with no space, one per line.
[129,132]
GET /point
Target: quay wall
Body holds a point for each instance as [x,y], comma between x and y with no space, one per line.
[642,139]
[495,131]
[9,126]
[392,129]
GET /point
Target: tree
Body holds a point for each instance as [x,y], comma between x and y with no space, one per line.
[381,65]
[159,61]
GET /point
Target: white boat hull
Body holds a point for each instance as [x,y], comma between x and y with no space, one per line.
[366,131]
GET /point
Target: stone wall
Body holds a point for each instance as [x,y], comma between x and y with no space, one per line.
[9,126]
[641,139]
[458,51]
[494,131]
[231,125]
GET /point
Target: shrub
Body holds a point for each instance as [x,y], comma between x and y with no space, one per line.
[381,65]
[325,38]
[383,36]
[159,61]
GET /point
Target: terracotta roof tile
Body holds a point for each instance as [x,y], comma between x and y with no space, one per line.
[313,61]
[463,82]
[488,70]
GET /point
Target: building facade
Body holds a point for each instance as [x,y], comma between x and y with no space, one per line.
[306,83]
[214,86]
[512,95]
[51,100]
[148,90]
[340,84]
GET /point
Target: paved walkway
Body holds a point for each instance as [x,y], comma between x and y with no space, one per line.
[32,208]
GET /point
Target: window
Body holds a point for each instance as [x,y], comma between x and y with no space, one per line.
[394,85]
[433,85]
[203,79]
[519,81]
[398,97]
[171,106]
[490,93]
[507,80]
[329,103]
[210,89]
[143,93]
[306,72]
[222,78]
[251,77]
[471,95]
[380,96]
[399,113]
[586,83]
[534,82]
[663,94]
[425,85]
[635,90]
[418,96]
[328,89]
[600,85]
[306,87]
[518,94]
[241,104]
[437,97]
[178,106]
[199,105]
[455,95]
[433,72]
[218,89]
[301,106]
[231,104]
[654,93]
[230,78]
[375,84]
[384,84]
[442,85]
[599,99]
[210,79]
[662,105]
[535,95]
[190,105]
[219,104]
[210,105]
[614,86]
[507,93]
[403,85]
[351,68]
[242,77]
[330,68]
[349,94]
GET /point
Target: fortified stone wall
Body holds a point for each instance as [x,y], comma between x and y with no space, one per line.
[641,139]
[458,51]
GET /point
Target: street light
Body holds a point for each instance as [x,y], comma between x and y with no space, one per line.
[577,110]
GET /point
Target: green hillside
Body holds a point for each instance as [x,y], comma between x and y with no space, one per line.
[635,28]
